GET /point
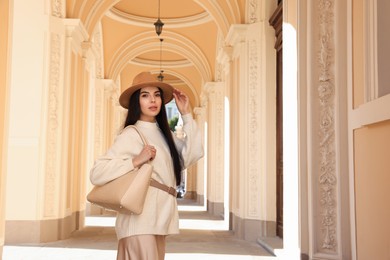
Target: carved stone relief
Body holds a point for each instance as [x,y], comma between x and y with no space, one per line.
[327,162]
[57,9]
[253,11]
[52,126]
[219,126]
[98,119]
[97,40]
[253,129]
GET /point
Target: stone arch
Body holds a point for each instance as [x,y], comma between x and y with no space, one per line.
[224,13]
[146,42]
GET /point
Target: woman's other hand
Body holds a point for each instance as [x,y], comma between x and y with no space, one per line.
[182,101]
[148,153]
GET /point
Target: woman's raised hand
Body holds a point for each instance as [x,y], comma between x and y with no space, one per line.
[148,153]
[182,101]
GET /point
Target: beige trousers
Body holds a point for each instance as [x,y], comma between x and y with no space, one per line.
[141,247]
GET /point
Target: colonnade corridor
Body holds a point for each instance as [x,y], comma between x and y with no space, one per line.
[201,237]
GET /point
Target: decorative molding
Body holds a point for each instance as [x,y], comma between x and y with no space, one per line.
[237,33]
[147,22]
[219,63]
[52,126]
[326,95]
[75,28]
[199,112]
[253,128]
[99,106]
[253,11]
[57,9]
[215,92]
[219,134]
[167,63]
[98,42]
[203,99]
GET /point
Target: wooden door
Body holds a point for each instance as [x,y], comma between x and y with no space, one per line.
[276,21]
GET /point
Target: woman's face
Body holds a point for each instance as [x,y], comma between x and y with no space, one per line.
[150,103]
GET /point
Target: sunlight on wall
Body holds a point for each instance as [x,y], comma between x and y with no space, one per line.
[227,163]
[205,163]
[290,142]
[171,256]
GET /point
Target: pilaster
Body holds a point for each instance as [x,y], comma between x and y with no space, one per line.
[215,181]
[198,183]
[328,212]
[113,114]
[253,97]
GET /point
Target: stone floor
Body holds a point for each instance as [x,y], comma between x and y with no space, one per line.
[201,237]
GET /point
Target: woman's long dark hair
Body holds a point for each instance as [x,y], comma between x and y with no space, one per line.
[134,114]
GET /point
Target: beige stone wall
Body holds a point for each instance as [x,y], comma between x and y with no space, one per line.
[369,136]
[372,193]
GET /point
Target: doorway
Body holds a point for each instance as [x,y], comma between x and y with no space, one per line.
[276,21]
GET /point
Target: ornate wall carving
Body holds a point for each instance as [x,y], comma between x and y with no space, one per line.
[253,129]
[98,42]
[57,8]
[219,126]
[327,162]
[253,11]
[52,126]
[98,119]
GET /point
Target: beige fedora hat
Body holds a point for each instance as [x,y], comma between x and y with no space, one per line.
[145,79]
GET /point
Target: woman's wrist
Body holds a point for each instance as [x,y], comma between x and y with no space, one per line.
[136,162]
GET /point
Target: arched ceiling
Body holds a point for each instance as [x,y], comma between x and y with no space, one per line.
[130,45]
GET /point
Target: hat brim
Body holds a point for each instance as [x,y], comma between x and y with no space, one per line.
[167,89]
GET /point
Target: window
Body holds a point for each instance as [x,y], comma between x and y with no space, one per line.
[377,51]
[383,45]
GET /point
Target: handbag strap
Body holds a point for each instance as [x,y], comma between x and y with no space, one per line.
[140,134]
[153,182]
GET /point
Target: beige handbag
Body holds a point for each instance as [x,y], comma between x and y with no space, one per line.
[127,193]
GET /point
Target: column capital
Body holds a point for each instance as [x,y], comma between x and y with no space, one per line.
[69,27]
[111,89]
[225,54]
[213,87]
[203,99]
[75,29]
[199,111]
[237,34]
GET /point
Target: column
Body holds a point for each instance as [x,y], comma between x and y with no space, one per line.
[107,121]
[322,112]
[215,147]
[5,39]
[38,148]
[196,181]
[252,105]
[113,114]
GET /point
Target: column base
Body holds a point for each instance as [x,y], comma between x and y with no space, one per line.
[251,229]
[215,208]
[42,231]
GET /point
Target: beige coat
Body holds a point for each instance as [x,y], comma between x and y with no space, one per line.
[160,214]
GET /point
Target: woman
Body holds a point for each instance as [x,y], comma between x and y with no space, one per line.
[143,236]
